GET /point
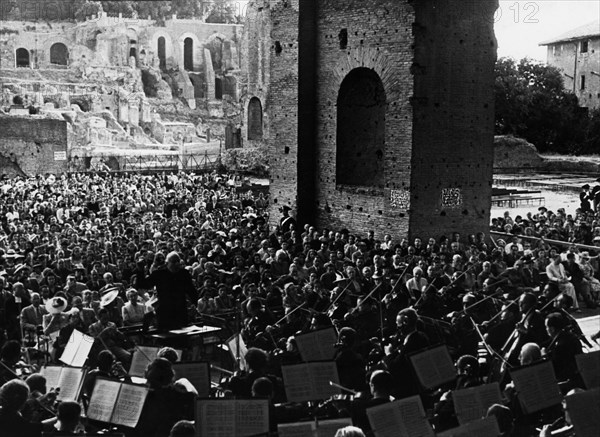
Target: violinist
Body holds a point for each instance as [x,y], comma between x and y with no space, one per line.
[350,364]
[563,347]
[498,333]
[257,321]
[13,396]
[529,329]
[40,403]
[107,367]
[257,362]
[363,318]
[408,339]
[416,285]
[10,355]
[394,301]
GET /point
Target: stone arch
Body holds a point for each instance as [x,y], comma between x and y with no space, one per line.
[22,58]
[161,51]
[360,139]
[214,44]
[255,119]
[59,54]
[168,46]
[195,45]
[132,41]
[188,54]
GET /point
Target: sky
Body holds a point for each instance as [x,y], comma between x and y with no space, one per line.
[521,25]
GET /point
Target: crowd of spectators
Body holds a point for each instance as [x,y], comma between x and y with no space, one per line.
[74,247]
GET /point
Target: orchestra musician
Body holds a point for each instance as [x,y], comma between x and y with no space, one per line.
[407,340]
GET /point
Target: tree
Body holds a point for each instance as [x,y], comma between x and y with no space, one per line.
[531,103]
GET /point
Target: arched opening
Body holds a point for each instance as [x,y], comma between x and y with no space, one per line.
[188,54]
[59,54]
[218,88]
[133,45]
[215,46]
[162,52]
[255,119]
[360,147]
[22,56]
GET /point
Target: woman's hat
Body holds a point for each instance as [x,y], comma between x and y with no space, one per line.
[109,296]
[56,305]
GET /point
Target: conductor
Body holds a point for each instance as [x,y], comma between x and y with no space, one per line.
[173,284]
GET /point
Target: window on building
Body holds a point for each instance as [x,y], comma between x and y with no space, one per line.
[255,119]
[582,82]
[583,47]
[343,37]
[22,57]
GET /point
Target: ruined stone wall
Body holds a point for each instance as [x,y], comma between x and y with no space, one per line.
[33,145]
[434,62]
[282,103]
[379,37]
[453,103]
[256,49]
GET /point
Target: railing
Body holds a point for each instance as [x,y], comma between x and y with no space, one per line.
[547,240]
[145,163]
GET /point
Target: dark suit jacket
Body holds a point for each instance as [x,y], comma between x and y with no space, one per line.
[562,351]
[172,289]
[29,318]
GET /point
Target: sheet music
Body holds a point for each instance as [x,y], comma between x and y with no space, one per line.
[320,375]
[103,400]
[405,418]
[296,380]
[214,418]
[197,373]
[251,417]
[317,345]
[433,367]
[129,405]
[233,348]
[70,382]
[142,356]
[77,349]
[328,428]
[472,403]
[52,375]
[487,427]
[584,410]
[589,368]
[536,387]
[310,381]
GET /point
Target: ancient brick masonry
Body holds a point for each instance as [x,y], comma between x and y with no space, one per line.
[32,146]
[381,113]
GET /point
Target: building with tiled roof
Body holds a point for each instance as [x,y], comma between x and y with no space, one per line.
[577,54]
